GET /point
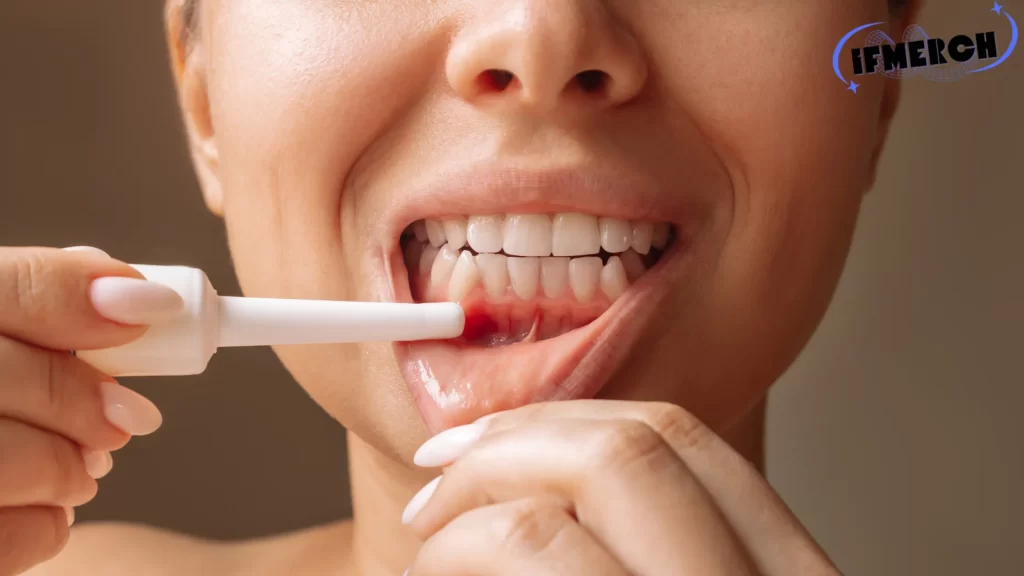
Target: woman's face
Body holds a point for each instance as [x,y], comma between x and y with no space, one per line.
[562,138]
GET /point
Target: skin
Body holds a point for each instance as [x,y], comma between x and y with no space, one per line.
[307,120]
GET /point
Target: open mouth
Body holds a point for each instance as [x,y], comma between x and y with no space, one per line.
[552,302]
[528,277]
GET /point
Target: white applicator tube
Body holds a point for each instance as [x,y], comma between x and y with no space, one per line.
[185,344]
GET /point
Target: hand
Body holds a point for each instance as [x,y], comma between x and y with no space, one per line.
[59,417]
[601,487]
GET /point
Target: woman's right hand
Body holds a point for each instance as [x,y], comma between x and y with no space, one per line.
[59,417]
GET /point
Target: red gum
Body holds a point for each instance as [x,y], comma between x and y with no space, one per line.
[478,326]
[524,320]
[478,304]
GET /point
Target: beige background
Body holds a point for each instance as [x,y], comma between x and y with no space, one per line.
[895,437]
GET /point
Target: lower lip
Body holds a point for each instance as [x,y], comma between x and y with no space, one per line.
[455,384]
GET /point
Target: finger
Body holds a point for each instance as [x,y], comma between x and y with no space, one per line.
[49,298]
[30,536]
[527,536]
[38,467]
[626,485]
[98,463]
[90,249]
[58,392]
[764,524]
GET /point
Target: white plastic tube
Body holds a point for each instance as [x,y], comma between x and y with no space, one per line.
[185,345]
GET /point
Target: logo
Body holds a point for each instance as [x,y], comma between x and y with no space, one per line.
[917,54]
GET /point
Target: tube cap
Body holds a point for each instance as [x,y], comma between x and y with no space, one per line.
[180,347]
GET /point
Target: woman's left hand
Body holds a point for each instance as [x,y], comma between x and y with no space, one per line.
[601,487]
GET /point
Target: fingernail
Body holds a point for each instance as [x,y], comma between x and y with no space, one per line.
[406,573]
[420,500]
[71,514]
[87,249]
[97,462]
[128,410]
[134,301]
[449,445]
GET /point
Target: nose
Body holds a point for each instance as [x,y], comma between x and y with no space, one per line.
[542,55]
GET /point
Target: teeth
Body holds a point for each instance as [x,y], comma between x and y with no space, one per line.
[525,276]
[444,265]
[616,235]
[528,235]
[455,232]
[575,234]
[494,273]
[531,255]
[484,234]
[427,259]
[464,277]
[613,278]
[660,237]
[435,233]
[554,275]
[538,235]
[584,275]
[642,234]
[419,228]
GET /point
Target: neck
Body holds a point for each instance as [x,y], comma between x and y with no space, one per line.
[381,487]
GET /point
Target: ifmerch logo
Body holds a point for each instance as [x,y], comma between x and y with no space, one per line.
[919,55]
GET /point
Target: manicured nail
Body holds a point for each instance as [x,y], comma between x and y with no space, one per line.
[91,249]
[134,301]
[71,514]
[128,410]
[420,500]
[97,462]
[448,446]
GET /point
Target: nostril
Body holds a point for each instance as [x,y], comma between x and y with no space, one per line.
[496,80]
[591,81]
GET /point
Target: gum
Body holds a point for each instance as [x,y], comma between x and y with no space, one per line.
[509,319]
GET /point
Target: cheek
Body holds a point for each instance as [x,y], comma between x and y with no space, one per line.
[758,83]
[298,91]
[797,144]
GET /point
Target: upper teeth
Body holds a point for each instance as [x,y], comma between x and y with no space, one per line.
[527,235]
[574,234]
[484,234]
[538,235]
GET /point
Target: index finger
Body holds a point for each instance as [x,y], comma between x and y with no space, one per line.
[619,479]
[44,299]
[774,537]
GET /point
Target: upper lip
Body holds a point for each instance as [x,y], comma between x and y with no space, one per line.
[602,190]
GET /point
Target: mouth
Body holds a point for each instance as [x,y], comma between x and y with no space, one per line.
[555,296]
